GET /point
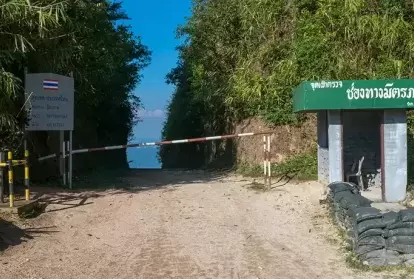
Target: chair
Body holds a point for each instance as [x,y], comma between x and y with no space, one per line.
[358,174]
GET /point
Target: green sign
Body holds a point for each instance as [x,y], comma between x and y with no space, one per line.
[354,94]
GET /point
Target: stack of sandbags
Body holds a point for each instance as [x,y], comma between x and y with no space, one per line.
[370,243]
[400,236]
[367,228]
[343,197]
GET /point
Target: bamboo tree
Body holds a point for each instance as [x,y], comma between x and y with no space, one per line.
[245,57]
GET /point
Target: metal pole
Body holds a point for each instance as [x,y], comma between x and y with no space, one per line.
[61,155]
[63,158]
[70,159]
[26,172]
[11,186]
[26,151]
[67,160]
[70,152]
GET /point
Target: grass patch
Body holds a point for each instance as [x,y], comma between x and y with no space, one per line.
[303,167]
[34,212]
[257,187]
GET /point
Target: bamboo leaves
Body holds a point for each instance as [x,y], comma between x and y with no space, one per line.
[248,55]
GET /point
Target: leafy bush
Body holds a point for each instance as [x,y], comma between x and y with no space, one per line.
[85,38]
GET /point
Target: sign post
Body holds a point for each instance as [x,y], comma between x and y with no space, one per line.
[50,106]
[70,160]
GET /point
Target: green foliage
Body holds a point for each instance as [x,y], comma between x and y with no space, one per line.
[301,167]
[80,37]
[243,58]
[410,151]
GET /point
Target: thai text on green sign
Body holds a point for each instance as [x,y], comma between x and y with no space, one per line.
[354,94]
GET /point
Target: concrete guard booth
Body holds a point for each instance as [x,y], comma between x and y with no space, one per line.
[361,119]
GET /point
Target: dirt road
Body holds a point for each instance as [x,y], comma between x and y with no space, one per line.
[194,225]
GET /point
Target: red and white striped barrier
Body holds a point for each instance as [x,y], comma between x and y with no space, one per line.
[167,142]
[143,144]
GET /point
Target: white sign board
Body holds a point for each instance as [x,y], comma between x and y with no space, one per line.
[50,102]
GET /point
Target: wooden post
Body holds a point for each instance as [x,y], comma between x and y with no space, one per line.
[264,160]
[269,172]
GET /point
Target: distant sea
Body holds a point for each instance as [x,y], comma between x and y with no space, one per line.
[148,130]
[144,157]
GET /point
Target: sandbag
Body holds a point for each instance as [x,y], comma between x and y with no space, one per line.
[373,240]
[407,257]
[340,195]
[360,214]
[405,249]
[399,232]
[381,257]
[388,219]
[405,240]
[375,262]
[371,232]
[401,225]
[409,263]
[370,224]
[364,249]
[348,200]
[407,215]
[337,187]
[382,253]
[393,260]
[382,261]
[391,217]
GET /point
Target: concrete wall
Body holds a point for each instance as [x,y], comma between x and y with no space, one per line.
[395,155]
[323,147]
[336,172]
[362,137]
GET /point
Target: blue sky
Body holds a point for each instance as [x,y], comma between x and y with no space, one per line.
[156,22]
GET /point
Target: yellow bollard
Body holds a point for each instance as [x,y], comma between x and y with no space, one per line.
[11,187]
[26,175]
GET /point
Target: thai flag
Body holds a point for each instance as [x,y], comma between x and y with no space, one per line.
[49,84]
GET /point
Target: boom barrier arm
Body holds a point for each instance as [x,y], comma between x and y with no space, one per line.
[143,144]
[69,153]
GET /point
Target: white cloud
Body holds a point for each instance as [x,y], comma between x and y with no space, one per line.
[156,113]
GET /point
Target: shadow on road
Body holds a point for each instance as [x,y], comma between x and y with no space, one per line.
[88,187]
[12,235]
